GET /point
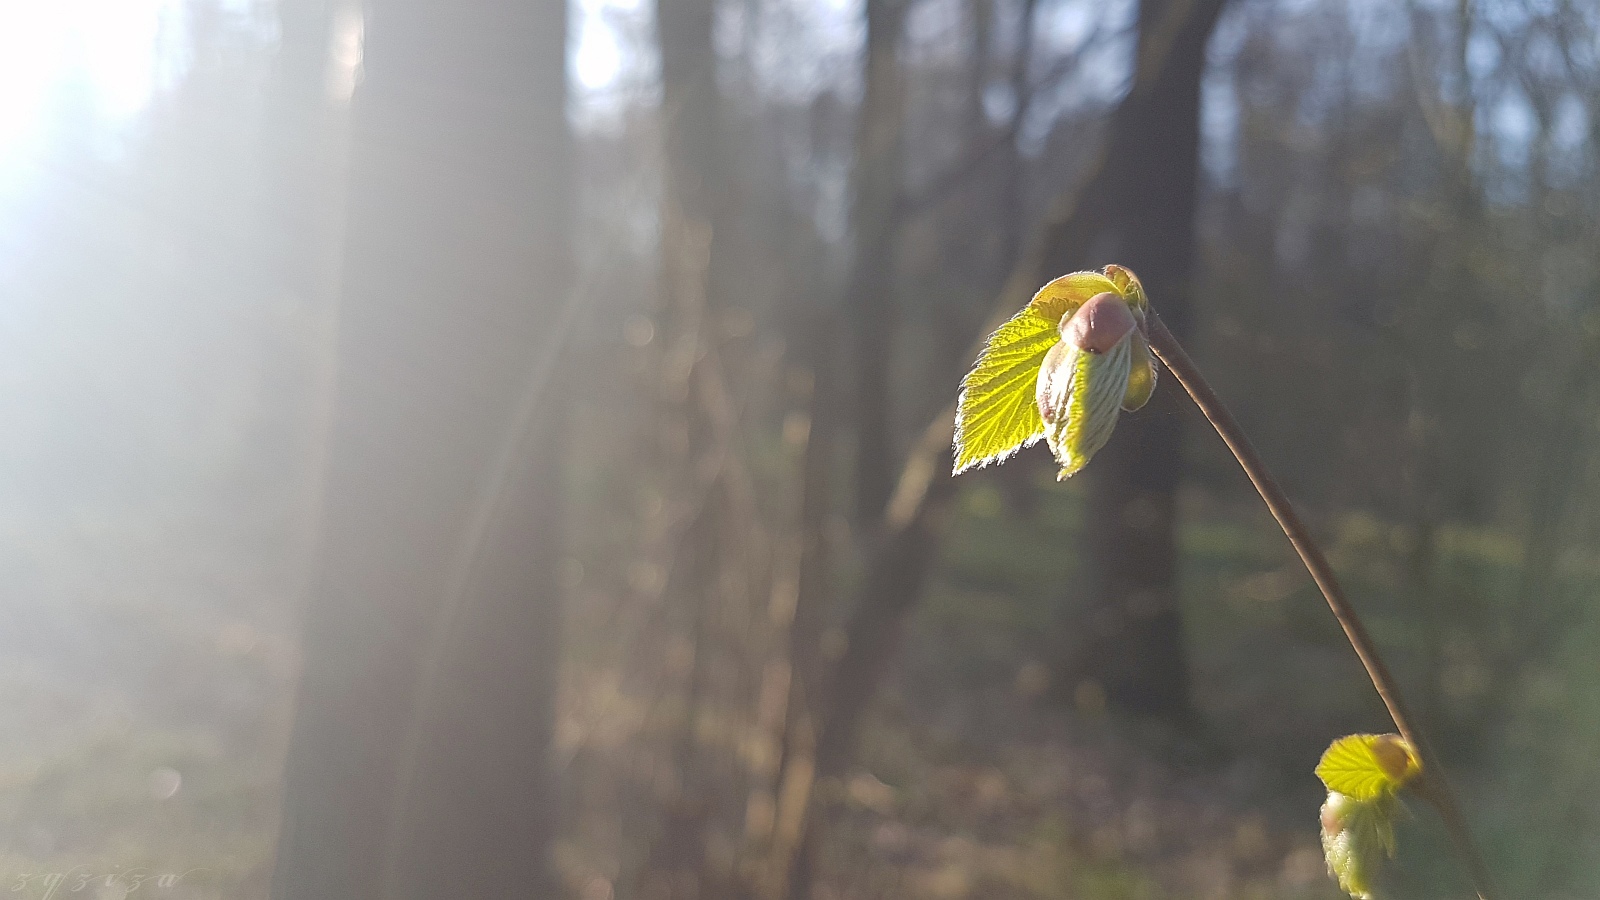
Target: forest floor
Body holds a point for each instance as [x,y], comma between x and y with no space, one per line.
[148,696]
[1065,809]
[146,693]
[979,778]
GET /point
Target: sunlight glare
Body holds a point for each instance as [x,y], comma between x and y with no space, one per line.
[597,61]
[101,53]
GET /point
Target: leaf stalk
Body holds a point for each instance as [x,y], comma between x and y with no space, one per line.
[1433,785]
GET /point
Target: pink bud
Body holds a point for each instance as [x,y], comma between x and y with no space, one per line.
[1099,323]
[1333,813]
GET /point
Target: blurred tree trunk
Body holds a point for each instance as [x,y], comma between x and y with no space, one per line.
[904,547]
[796,769]
[418,765]
[980,51]
[899,560]
[1129,649]
[1437,477]
[695,451]
[875,182]
[300,207]
[1013,203]
[297,143]
[1018,481]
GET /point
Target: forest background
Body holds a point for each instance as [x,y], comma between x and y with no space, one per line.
[527,426]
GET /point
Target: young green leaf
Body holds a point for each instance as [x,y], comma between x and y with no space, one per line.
[1062,296]
[1127,284]
[1080,394]
[1357,836]
[995,414]
[1366,766]
[1364,774]
[1141,377]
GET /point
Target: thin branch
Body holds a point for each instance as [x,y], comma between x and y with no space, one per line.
[943,185]
[1434,787]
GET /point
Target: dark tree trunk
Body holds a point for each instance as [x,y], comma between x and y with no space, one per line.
[907,543]
[898,563]
[691,115]
[1012,201]
[418,763]
[875,182]
[1018,481]
[1130,646]
[693,434]
[980,31]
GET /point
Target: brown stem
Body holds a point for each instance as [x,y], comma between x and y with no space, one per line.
[1434,787]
